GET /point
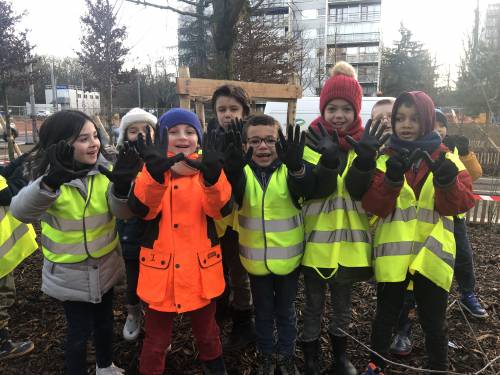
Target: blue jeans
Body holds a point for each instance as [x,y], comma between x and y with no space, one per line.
[464,266]
[274,301]
[83,319]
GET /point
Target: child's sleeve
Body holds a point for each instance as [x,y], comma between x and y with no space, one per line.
[147,195]
[472,165]
[456,198]
[316,182]
[358,180]
[380,198]
[216,198]
[32,201]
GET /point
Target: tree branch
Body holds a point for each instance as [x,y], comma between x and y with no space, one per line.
[206,3]
[257,5]
[168,7]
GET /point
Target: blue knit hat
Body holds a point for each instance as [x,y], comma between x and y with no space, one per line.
[178,116]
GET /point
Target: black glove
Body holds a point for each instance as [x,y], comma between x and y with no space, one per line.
[212,157]
[12,166]
[462,144]
[449,141]
[291,149]
[444,170]
[400,162]
[327,146]
[155,154]
[127,165]
[369,144]
[62,166]
[235,158]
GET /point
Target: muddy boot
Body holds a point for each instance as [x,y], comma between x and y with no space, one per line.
[10,349]
[342,365]
[214,367]
[243,331]
[132,326]
[311,357]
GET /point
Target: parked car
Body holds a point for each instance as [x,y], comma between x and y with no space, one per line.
[43,114]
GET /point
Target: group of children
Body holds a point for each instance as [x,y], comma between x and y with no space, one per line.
[337,203]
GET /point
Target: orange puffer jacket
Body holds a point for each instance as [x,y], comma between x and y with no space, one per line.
[183,269]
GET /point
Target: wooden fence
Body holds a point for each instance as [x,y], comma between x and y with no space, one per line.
[484,212]
[490,161]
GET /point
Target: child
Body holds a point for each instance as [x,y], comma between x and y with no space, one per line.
[382,111]
[76,203]
[180,260]
[271,236]
[338,242]
[135,122]
[17,242]
[415,200]
[231,103]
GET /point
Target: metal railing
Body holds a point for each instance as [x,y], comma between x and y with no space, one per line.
[353,38]
[354,17]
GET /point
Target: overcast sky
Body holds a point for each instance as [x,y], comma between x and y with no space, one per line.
[55,26]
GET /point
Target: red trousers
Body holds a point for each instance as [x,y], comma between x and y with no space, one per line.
[158,327]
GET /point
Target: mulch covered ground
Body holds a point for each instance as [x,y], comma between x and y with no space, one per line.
[41,319]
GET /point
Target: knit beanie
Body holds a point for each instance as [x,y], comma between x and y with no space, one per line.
[441,117]
[342,85]
[178,116]
[131,117]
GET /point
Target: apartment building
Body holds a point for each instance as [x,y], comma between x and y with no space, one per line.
[492,25]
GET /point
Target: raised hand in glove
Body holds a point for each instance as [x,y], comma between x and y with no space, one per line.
[462,144]
[62,166]
[127,165]
[235,158]
[211,159]
[444,170]
[291,149]
[367,148]
[154,154]
[399,162]
[326,145]
[13,166]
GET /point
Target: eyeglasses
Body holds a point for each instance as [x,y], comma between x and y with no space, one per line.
[256,141]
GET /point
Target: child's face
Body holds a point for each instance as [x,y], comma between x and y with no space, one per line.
[182,138]
[441,129]
[262,138]
[339,113]
[137,128]
[383,113]
[407,125]
[87,145]
[227,109]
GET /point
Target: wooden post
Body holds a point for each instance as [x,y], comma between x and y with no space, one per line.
[184,100]
[200,111]
[292,104]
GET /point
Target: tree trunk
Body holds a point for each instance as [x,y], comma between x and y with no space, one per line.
[224,64]
[10,140]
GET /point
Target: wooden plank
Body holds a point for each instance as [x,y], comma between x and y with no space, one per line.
[475,211]
[184,100]
[200,111]
[484,212]
[195,87]
[290,114]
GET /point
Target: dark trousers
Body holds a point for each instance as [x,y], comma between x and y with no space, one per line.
[274,302]
[464,265]
[431,307]
[132,273]
[237,283]
[83,319]
[158,327]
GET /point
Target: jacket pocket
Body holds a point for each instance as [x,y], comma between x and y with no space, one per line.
[153,275]
[212,275]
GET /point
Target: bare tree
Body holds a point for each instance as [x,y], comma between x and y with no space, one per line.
[223,19]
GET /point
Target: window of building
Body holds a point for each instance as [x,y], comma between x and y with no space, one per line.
[85,96]
[79,96]
[97,96]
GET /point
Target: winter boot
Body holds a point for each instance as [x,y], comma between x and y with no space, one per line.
[286,365]
[214,367]
[311,350]
[132,326]
[243,331]
[110,370]
[267,364]
[10,349]
[342,365]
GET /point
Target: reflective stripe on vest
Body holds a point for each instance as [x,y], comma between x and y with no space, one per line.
[75,228]
[415,237]
[271,233]
[17,240]
[336,228]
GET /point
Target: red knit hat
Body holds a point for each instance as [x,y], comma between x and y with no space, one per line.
[342,85]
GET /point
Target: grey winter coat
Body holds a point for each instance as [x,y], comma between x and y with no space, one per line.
[89,280]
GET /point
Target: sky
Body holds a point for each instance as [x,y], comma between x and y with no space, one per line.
[442,25]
